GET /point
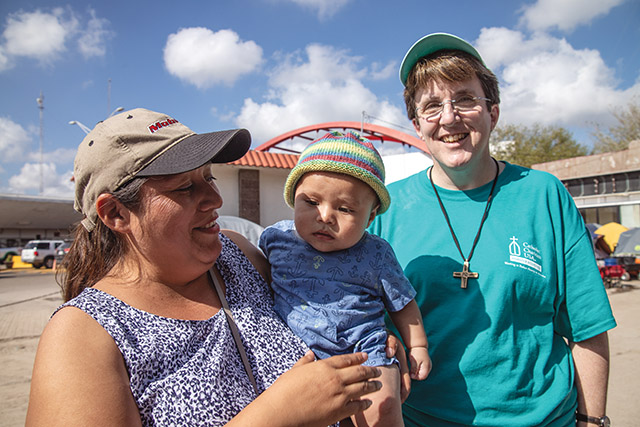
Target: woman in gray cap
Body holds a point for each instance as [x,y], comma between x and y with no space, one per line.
[145,338]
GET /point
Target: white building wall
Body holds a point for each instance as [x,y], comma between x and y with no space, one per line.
[227,182]
[630,216]
[272,205]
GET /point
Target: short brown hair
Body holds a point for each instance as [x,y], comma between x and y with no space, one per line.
[448,66]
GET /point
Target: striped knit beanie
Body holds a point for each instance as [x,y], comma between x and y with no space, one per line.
[347,153]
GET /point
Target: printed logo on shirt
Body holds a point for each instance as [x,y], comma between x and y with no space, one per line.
[317,261]
[525,255]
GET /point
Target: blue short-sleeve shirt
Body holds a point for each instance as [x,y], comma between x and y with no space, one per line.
[336,301]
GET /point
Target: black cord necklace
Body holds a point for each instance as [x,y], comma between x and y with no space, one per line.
[465,274]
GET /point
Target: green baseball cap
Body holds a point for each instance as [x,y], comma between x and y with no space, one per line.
[432,43]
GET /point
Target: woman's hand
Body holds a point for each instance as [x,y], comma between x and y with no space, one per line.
[395,348]
[315,393]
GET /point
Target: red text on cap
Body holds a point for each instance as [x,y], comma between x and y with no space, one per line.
[159,125]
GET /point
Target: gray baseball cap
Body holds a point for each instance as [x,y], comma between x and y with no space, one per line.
[140,143]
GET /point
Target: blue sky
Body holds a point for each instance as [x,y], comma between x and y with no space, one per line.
[276,65]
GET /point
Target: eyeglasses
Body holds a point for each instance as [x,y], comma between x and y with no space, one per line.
[462,105]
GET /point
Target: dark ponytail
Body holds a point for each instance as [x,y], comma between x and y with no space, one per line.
[94,253]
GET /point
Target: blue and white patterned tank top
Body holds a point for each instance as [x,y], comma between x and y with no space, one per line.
[189,372]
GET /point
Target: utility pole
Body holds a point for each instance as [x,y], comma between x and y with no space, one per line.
[40,102]
[109,96]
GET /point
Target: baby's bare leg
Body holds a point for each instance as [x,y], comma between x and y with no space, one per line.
[386,410]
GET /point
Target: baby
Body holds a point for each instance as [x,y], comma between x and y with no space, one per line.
[332,280]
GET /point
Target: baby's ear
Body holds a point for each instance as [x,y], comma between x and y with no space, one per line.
[373,214]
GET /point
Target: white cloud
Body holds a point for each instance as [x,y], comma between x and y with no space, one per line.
[37,34]
[16,147]
[324,86]
[565,15]
[92,41]
[57,156]
[546,80]
[44,36]
[324,8]
[380,72]
[205,58]
[28,181]
[14,140]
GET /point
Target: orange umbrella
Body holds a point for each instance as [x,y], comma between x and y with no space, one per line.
[610,232]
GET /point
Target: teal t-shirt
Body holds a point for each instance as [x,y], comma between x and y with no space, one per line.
[498,347]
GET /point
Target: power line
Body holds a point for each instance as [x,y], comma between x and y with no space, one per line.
[366,116]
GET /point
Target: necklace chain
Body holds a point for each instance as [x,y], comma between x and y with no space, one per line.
[466,260]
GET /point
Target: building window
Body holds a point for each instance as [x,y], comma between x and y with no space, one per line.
[591,186]
[608,184]
[602,215]
[608,214]
[574,186]
[634,181]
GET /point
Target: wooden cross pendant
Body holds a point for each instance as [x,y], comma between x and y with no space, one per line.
[465,274]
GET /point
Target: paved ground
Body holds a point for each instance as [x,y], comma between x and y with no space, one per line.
[21,325]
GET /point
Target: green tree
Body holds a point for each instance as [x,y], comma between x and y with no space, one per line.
[618,137]
[526,146]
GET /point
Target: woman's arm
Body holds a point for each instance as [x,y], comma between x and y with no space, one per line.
[79,377]
[591,360]
[313,393]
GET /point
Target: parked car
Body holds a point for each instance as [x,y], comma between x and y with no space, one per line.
[7,254]
[40,252]
[62,250]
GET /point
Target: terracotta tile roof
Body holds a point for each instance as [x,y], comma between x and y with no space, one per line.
[264,159]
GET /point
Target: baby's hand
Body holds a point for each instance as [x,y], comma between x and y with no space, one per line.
[420,363]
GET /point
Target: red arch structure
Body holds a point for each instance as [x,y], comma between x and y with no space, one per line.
[370,131]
